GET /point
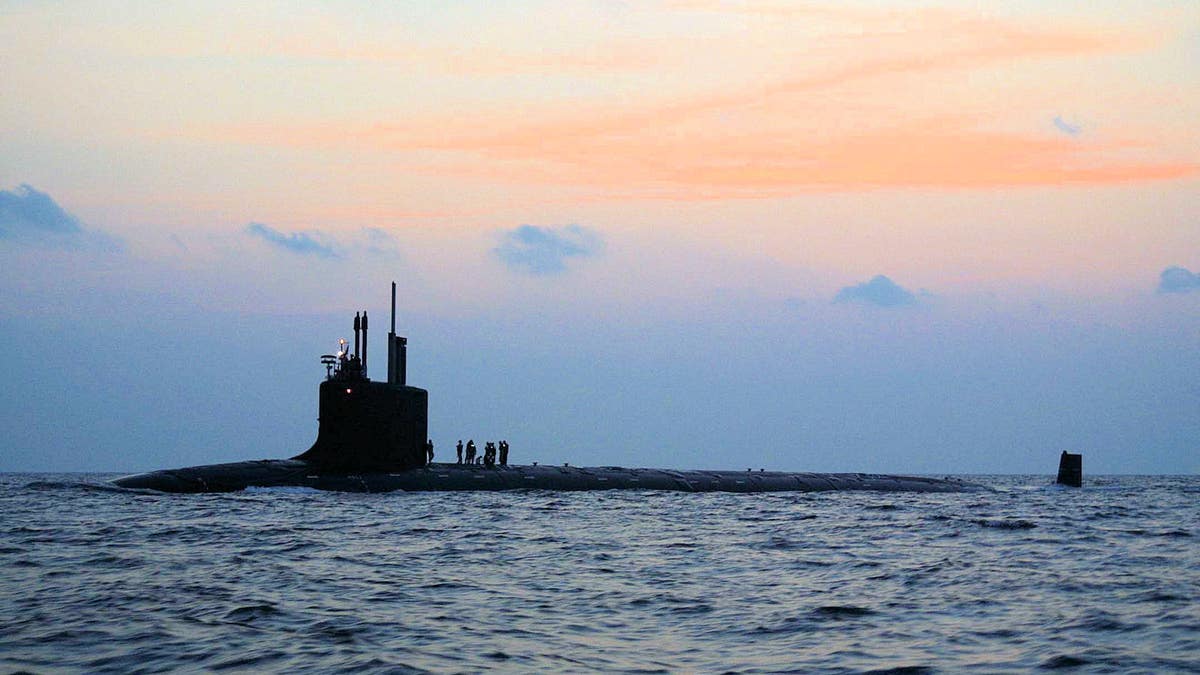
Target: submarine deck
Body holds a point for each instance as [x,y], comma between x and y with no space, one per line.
[449,477]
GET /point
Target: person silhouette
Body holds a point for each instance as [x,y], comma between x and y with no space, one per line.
[459,448]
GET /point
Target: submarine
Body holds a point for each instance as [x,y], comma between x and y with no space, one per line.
[372,435]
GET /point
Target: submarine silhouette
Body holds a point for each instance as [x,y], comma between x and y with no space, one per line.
[372,438]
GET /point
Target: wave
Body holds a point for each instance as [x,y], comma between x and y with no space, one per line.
[1005,523]
[282,490]
[82,486]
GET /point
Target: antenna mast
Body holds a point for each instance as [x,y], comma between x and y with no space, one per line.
[395,349]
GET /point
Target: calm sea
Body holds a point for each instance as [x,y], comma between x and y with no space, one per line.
[1029,577]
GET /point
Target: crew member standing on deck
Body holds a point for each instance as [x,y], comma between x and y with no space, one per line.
[503,453]
[429,450]
[471,451]
[460,451]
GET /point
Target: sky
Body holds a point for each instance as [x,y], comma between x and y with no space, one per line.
[910,237]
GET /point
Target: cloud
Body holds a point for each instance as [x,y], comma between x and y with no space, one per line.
[544,250]
[1178,280]
[30,216]
[880,291]
[779,134]
[1066,127]
[27,209]
[379,242]
[295,242]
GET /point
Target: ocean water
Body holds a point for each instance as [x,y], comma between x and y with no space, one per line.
[1025,578]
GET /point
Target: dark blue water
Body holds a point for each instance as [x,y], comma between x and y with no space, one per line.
[1029,577]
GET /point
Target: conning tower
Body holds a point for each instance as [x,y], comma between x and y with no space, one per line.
[366,425]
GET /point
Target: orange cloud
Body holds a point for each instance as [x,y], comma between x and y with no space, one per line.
[772,138]
[945,153]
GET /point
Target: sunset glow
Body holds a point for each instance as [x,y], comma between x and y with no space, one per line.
[1018,174]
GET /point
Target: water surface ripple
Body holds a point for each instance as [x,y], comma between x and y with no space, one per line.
[1029,577]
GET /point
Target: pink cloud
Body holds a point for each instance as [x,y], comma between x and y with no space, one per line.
[766,139]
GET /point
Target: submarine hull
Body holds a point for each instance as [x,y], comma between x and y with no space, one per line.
[372,437]
[456,477]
